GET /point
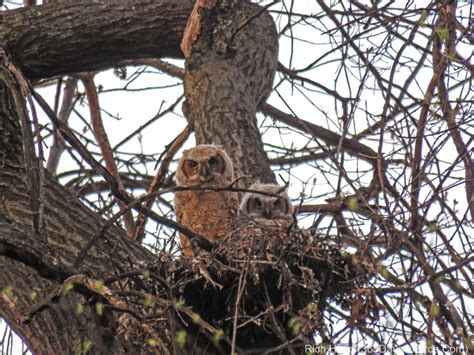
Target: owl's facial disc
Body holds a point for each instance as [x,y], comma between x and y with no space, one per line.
[204,171]
[269,208]
[256,207]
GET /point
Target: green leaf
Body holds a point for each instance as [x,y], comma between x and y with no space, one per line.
[217,336]
[434,309]
[79,308]
[196,318]
[99,284]
[295,325]
[382,270]
[179,303]
[86,346]
[99,308]
[352,203]
[148,301]
[181,338]
[153,342]
[423,17]
[443,33]
[33,295]
[67,287]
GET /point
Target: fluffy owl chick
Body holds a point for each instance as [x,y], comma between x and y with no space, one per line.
[268,210]
[211,214]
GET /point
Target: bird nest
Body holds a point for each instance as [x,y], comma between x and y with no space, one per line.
[258,289]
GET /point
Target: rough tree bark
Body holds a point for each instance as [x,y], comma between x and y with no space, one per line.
[223,90]
[72,36]
[30,265]
[228,74]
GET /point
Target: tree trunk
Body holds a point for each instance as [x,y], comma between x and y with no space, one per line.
[223,89]
[228,74]
[30,265]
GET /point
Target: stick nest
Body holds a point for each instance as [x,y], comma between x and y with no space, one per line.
[258,289]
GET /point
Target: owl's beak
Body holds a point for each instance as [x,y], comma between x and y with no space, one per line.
[205,176]
[267,212]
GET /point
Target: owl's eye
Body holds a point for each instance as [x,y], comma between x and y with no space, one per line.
[213,161]
[190,167]
[216,164]
[258,203]
[276,203]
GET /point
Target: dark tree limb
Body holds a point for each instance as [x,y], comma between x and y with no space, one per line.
[74,36]
[68,226]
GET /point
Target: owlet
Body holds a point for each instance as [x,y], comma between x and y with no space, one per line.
[211,214]
[273,209]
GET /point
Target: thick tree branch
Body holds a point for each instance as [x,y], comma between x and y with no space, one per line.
[73,36]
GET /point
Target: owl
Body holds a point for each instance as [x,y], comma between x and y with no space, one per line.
[273,209]
[211,214]
[265,225]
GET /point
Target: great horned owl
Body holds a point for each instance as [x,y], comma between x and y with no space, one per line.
[264,224]
[211,214]
[273,208]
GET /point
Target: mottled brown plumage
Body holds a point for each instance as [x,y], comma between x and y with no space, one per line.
[211,214]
